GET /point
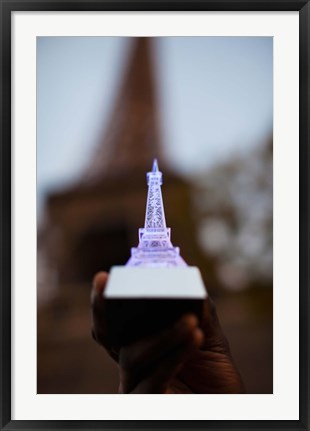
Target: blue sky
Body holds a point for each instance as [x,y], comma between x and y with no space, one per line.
[215,97]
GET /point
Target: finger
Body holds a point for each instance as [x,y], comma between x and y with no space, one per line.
[214,338]
[98,313]
[139,359]
[99,283]
[158,381]
[97,305]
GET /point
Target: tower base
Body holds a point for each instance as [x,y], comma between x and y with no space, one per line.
[143,301]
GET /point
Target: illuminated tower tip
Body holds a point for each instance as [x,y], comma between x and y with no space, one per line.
[155,166]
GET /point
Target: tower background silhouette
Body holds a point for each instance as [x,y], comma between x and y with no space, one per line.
[97,218]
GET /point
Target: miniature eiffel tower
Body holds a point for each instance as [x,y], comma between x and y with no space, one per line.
[156,286]
[155,248]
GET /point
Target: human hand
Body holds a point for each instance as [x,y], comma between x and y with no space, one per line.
[183,358]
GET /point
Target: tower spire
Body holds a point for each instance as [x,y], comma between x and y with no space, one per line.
[155,166]
[132,137]
[155,247]
[154,214]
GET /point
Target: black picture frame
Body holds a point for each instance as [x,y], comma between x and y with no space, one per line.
[6,8]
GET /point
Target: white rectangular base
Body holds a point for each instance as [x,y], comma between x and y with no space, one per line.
[130,282]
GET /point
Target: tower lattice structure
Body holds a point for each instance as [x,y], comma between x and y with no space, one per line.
[132,135]
[155,248]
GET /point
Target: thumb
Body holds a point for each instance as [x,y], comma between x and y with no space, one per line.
[98,305]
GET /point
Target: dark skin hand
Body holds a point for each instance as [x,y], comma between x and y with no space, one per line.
[185,358]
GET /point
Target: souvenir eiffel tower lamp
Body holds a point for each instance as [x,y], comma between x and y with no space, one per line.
[156,286]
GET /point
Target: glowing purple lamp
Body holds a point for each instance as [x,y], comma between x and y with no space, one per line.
[155,268]
[156,287]
[155,249]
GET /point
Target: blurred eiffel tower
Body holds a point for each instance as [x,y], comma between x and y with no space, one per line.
[92,226]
